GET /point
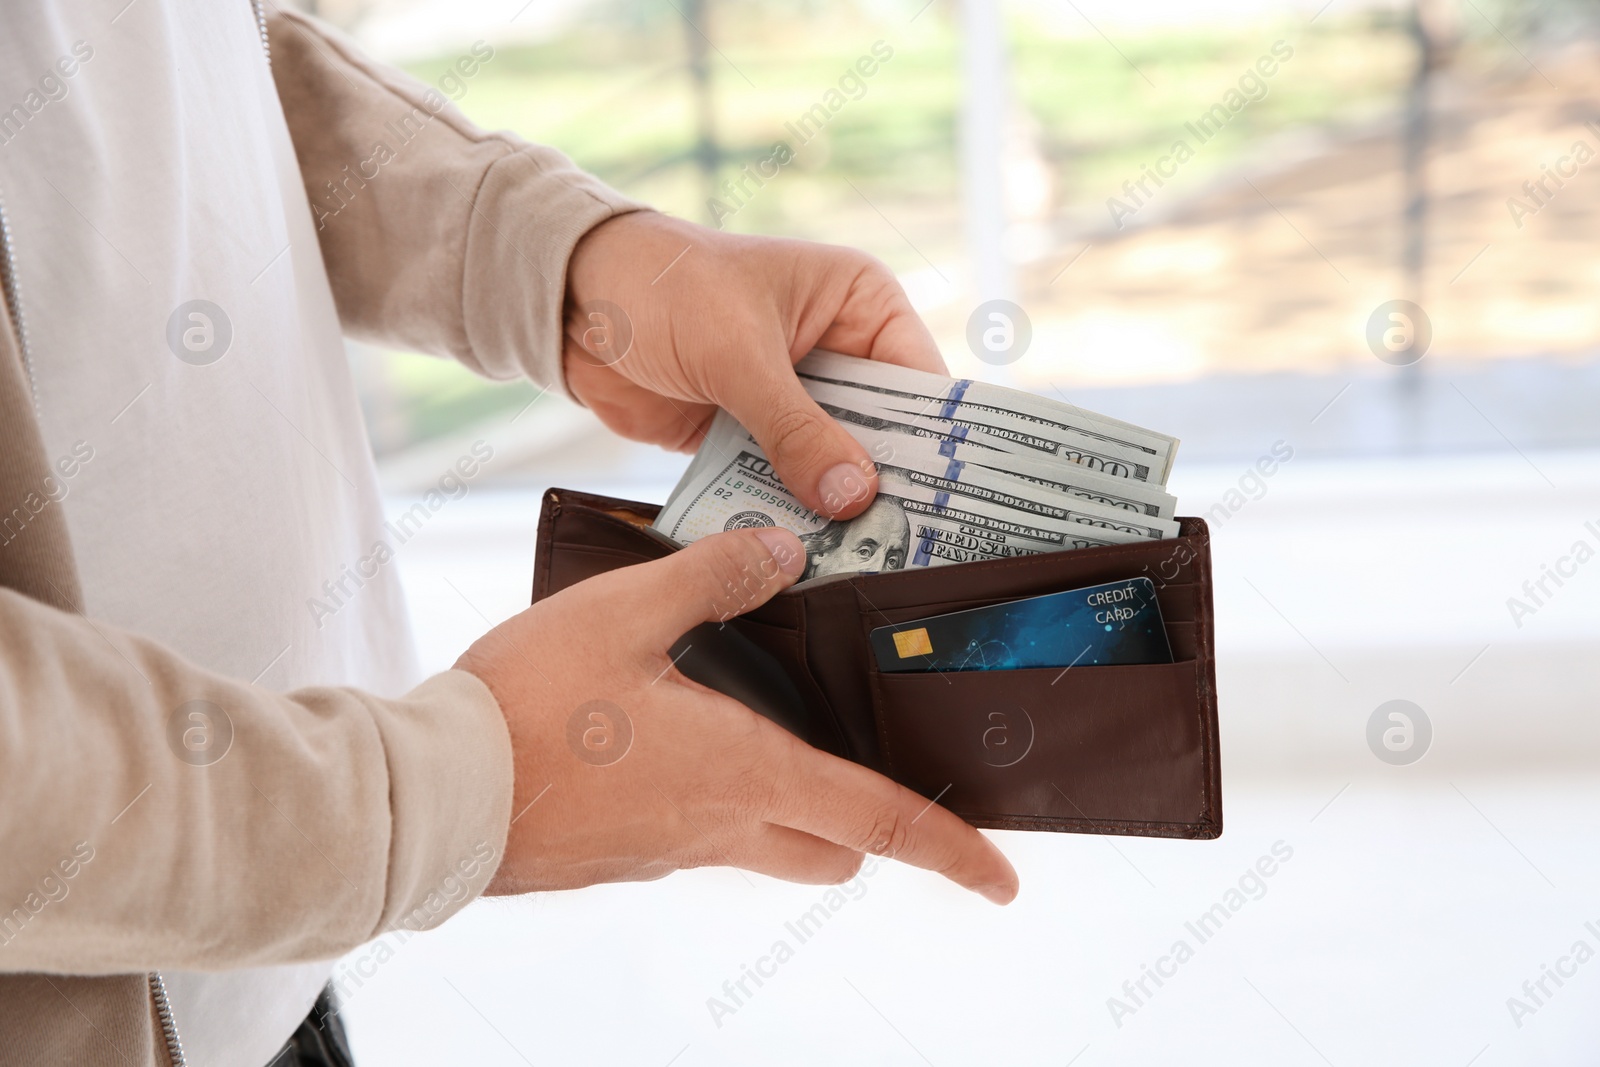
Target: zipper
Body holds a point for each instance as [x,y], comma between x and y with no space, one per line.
[261,21]
[8,283]
[169,1029]
[158,987]
[19,324]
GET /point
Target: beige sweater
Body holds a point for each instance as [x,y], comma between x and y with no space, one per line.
[120,859]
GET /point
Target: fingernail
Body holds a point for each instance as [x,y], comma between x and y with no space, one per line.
[844,484]
[996,894]
[786,549]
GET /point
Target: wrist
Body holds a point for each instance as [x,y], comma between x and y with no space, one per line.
[607,255]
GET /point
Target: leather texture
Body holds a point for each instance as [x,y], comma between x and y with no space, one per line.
[1126,750]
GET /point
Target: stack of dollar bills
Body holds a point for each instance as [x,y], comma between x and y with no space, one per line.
[966,471]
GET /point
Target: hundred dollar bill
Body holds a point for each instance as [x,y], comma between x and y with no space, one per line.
[949,470]
[909,524]
[1030,482]
[986,450]
[989,407]
[994,430]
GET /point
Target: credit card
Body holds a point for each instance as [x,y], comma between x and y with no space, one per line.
[1101,625]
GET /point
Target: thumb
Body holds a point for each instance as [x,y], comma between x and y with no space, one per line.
[712,580]
[816,458]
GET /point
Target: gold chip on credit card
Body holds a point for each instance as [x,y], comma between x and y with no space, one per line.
[910,643]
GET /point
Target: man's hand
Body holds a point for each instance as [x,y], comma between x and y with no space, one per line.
[626,770]
[718,320]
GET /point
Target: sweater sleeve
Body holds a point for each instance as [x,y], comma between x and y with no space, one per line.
[437,236]
[155,815]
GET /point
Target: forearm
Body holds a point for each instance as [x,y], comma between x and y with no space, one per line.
[437,236]
[270,828]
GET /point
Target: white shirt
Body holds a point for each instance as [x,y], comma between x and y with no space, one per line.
[220,495]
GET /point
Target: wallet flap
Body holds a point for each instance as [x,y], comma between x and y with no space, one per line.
[596,534]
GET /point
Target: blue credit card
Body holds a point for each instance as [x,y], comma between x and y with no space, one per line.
[1118,622]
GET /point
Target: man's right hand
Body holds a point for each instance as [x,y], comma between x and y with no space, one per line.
[626,770]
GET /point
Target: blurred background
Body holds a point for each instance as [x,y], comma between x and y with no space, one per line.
[1429,541]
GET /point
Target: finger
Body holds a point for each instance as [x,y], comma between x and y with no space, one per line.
[877,322]
[901,339]
[906,341]
[820,463]
[711,580]
[849,805]
[635,412]
[785,853]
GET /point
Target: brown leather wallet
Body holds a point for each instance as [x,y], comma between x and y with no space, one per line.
[1106,750]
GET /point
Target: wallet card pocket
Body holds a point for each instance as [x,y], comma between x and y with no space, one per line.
[1114,749]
